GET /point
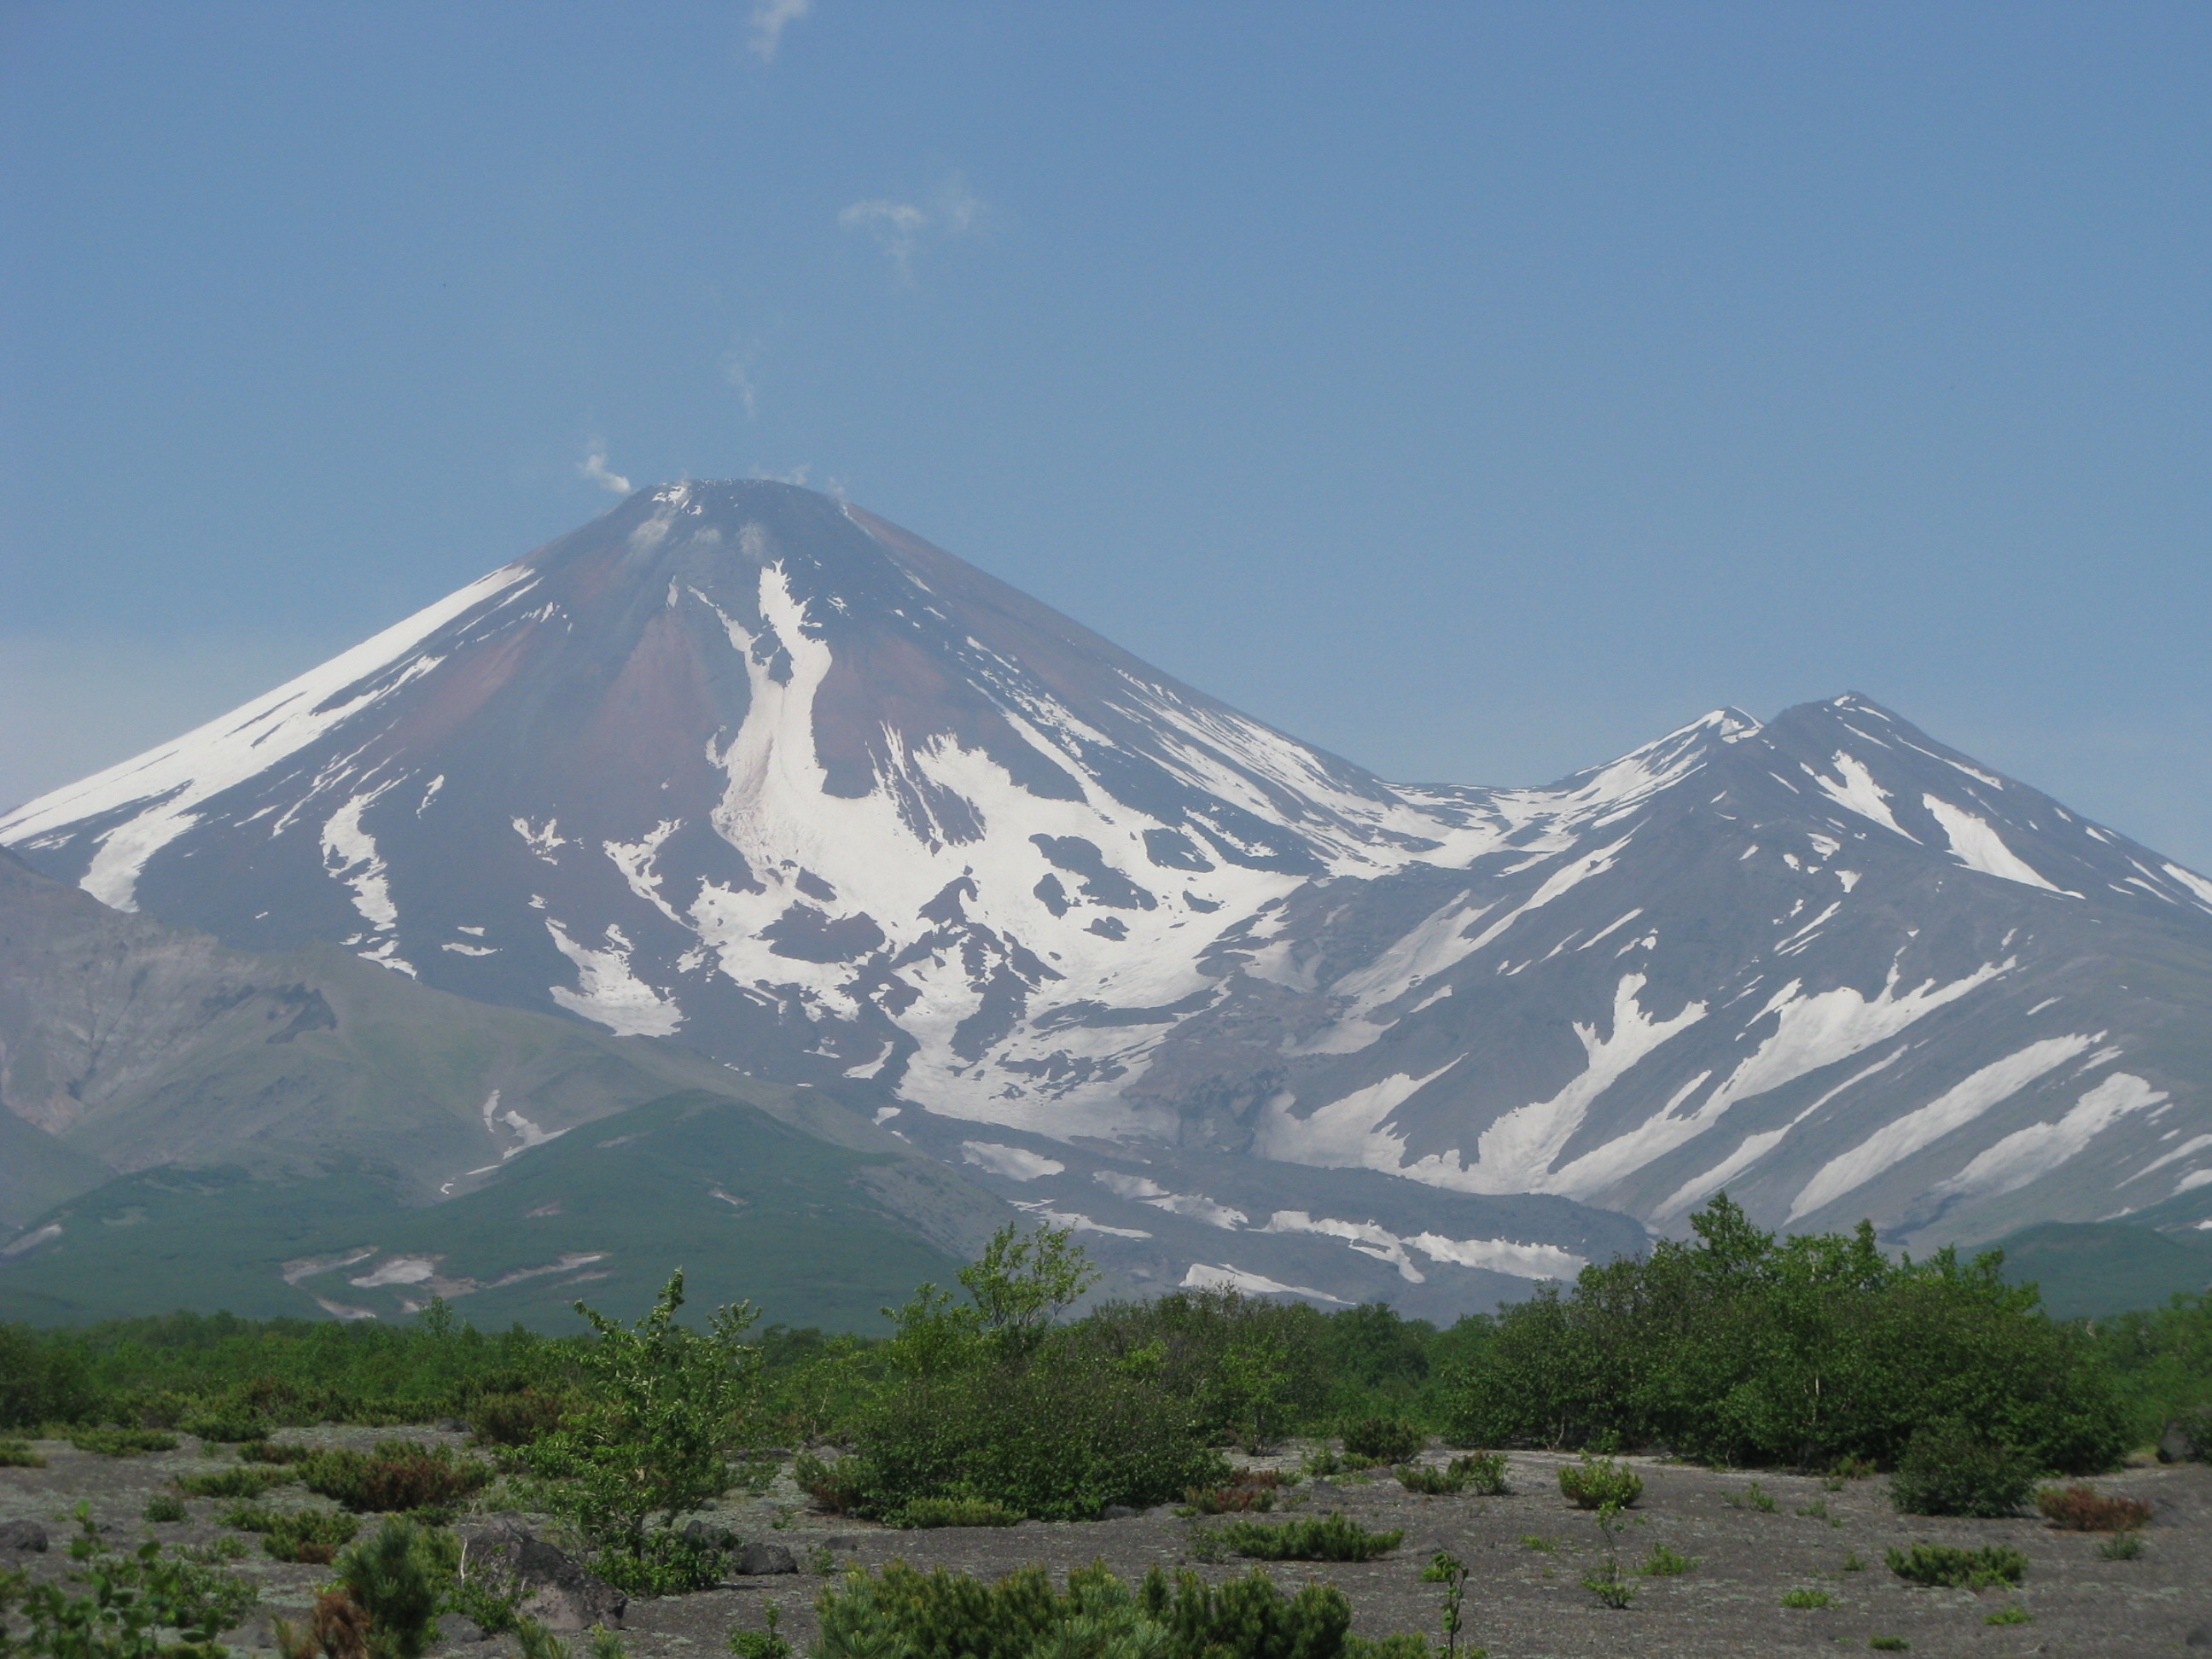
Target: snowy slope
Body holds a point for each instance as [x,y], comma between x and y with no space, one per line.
[742,767]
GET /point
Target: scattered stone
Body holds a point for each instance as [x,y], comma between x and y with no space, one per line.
[1116,1512]
[23,1536]
[452,1426]
[758,1560]
[560,1594]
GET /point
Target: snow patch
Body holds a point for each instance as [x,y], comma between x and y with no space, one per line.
[1015,1163]
[1976,844]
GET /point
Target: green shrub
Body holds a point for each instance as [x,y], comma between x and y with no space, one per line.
[18,1455]
[397,1476]
[1596,1481]
[1753,1496]
[1946,1566]
[1382,1439]
[1665,1561]
[1429,1480]
[2084,1509]
[397,1575]
[225,1431]
[275,1452]
[308,1537]
[238,1482]
[518,1418]
[42,1380]
[840,1487]
[165,1506]
[1949,1469]
[956,1512]
[662,1563]
[1609,1586]
[1311,1538]
[140,1605]
[244,1517]
[1483,1471]
[1807,1598]
[2011,1613]
[1889,1644]
[2120,1546]
[944,1615]
[112,1442]
[1734,1347]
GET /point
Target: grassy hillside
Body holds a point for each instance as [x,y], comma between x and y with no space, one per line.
[748,1206]
[2103,1268]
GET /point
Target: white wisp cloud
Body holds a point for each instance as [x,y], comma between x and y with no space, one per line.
[594,467]
[770,19]
[901,229]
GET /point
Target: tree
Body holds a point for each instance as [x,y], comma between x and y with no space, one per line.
[1023,1282]
[662,1410]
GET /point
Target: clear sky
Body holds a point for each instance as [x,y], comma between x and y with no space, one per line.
[1476,390]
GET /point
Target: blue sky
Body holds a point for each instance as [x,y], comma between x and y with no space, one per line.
[1474,389]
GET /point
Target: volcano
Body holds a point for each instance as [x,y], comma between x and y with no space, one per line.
[747,769]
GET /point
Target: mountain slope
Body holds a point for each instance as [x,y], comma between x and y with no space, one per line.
[742,766]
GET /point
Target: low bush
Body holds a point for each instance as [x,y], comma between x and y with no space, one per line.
[131,1601]
[1484,1473]
[2011,1613]
[2120,1546]
[1946,1566]
[661,1563]
[275,1452]
[1241,1499]
[1949,1469]
[240,1482]
[225,1431]
[112,1442]
[18,1455]
[397,1476]
[1429,1480]
[518,1418]
[956,1512]
[1753,1496]
[1596,1481]
[1382,1439]
[840,1487]
[1665,1561]
[941,1615]
[1312,1538]
[386,1604]
[308,1537]
[2084,1509]
[1889,1644]
[1807,1598]
[164,1506]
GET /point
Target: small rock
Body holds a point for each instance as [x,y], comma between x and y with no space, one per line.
[758,1560]
[843,1542]
[2199,1638]
[23,1536]
[1116,1512]
[2178,1445]
[452,1426]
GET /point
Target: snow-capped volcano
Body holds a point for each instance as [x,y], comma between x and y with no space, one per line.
[743,767]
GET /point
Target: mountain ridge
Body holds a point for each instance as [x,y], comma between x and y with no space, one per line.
[740,766]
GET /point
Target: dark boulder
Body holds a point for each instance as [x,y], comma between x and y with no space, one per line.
[558,1591]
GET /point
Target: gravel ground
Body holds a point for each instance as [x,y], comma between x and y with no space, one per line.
[1523,1602]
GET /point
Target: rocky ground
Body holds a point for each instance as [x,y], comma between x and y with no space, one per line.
[1528,1552]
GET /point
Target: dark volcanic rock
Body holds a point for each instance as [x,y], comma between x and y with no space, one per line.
[561,1593]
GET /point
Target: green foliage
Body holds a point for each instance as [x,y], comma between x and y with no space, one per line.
[1311,1538]
[1609,1586]
[839,1487]
[163,1507]
[1665,1561]
[1949,1469]
[1735,1348]
[1753,1496]
[1946,1566]
[41,1381]
[761,1644]
[112,1441]
[270,1452]
[395,1477]
[1381,1439]
[1483,1471]
[2011,1613]
[956,1512]
[518,1418]
[1851,1562]
[1429,1480]
[224,1429]
[660,1411]
[1889,1644]
[19,1454]
[1448,1570]
[1807,1598]
[312,1537]
[1023,1281]
[1536,1541]
[398,1576]
[2120,1546]
[1596,1481]
[661,1563]
[240,1482]
[138,1606]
